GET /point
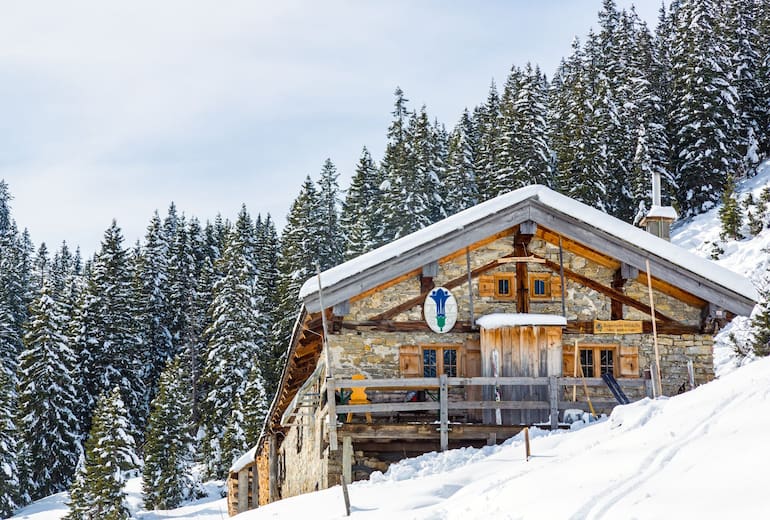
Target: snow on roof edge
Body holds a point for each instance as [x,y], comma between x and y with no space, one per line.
[578,210]
[244,460]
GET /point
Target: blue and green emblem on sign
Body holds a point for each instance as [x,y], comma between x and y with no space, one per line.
[440,310]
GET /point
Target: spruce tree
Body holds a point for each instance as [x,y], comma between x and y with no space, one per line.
[9,474]
[331,242]
[705,113]
[47,398]
[730,212]
[109,452]
[167,478]
[358,218]
[233,339]
[487,124]
[462,190]
[396,167]
[234,436]
[255,405]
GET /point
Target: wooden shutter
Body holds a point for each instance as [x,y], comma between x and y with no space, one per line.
[629,361]
[486,286]
[556,287]
[409,361]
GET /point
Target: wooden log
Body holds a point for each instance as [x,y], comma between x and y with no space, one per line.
[347,458]
[553,394]
[273,468]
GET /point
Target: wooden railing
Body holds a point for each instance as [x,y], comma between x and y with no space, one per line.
[442,383]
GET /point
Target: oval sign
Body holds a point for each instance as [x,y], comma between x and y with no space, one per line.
[440,310]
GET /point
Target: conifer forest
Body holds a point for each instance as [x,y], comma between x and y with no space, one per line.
[164,355]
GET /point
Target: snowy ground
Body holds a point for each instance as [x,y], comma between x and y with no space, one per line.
[701,455]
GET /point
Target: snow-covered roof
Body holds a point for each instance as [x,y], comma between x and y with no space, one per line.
[661,212]
[501,319]
[558,212]
[244,460]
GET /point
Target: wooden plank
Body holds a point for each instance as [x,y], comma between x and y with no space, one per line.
[677,328]
[444,412]
[406,406]
[499,405]
[433,382]
[347,458]
[553,394]
[597,381]
[403,326]
[401,432]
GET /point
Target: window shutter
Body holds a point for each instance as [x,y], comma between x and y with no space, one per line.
[409,361]
[556,287]
[486,286]
[629,361]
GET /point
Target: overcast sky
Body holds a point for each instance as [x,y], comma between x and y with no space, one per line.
[114,109]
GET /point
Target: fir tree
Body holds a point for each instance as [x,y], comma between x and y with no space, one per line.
[331,242]
[462,188]
[487,124]
[395,168]
[754,214]
[358,218]
[730,213]
[9,475]
[255,406]
[98,490]
[168,451]
[233,338]
[47,398]
[234,437]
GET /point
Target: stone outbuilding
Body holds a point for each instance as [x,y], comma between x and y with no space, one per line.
[499,317]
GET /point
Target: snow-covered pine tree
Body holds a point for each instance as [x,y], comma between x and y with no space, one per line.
[297,260]
[530,155]
[502,181]
[109,337]
[9,475]
[270,354]
[234,436]
[395,168]
[331,241]
[754,212]
[109,452]
[152,310]
[420,202]
[739,24]
[487,126]
[47,397]
[233,339]
[576,139]
[255,405]
[167,478]
[358,217]
[705,112]
[462,190]
[762,47]
[730,213]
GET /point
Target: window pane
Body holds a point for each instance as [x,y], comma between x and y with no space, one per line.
[587,362]
[503,286]
[539,287]
[450,362]
[429,362]
[607,364]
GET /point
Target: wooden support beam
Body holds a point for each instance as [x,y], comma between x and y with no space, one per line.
[347,458]
[273,494]
[616,306]
[243,490]
[332,403]
[674,327]
[402,326]
[520,243]
[444,412]
[607,291]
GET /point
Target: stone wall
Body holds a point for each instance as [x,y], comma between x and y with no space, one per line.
[305,457]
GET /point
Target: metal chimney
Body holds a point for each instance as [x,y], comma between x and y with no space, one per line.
[659,218]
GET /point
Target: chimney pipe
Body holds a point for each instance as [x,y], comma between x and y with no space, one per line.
[656,189]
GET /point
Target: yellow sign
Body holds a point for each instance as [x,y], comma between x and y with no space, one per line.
[617,327]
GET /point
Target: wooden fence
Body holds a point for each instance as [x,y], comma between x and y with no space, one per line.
[554,385]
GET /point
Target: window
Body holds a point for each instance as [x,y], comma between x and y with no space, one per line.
[505,286]
[439,360]
[595,360]
[539,285]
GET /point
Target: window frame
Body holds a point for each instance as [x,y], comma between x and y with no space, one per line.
[440,349]
[546,279]
[596,358]
[511,279]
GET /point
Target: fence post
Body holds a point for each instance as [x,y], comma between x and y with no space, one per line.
[553,393]
[444,412]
